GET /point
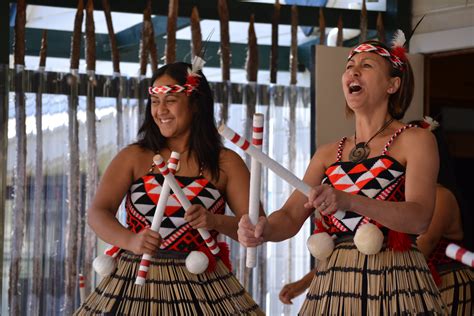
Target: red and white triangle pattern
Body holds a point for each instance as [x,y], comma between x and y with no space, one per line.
[363,178]
[144,195]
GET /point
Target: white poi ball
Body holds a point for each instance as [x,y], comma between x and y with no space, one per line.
[197,262]
[368,239]
[104,265]
[320,245]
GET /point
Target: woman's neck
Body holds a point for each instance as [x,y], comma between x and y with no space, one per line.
[178,144]
[367,125]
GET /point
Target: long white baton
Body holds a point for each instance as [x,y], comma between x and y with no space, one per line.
[255,176]
[157,218]
[460,254]
[82,288]
[271,164]
[178,191]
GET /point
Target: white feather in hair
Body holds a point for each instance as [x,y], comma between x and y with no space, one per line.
[398,39]
[197,64]
[433,124]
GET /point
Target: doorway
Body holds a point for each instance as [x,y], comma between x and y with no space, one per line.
[449,99]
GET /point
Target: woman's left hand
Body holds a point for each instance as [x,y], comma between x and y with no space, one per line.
[327,200]
[199,217]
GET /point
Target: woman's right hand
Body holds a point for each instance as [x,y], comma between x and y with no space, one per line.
[146,241]
[251,235]
[290,291]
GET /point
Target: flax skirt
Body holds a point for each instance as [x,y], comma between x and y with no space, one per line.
[457,288]
[387,283]
[169,290]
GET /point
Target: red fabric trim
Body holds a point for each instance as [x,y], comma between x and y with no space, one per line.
[434,273]
[224,255]
[398,241]
[212,261]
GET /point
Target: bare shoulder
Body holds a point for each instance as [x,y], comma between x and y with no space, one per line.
[445,196]
[413,141]
[230,162]
[133,153]
[326,154]
[133,159]
[232,169]
[227,155]
[419,141]
[413,136]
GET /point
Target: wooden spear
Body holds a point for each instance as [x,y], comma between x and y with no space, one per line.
[196,37]
[72,229]
[150,33]
[224,53]
[225,43]
[363,23]
[294,46]
[274,45]
[92,177]
[171,31]
[322,27]
[252,53]
[19,203]
[113,41]
[380,28]
[38,212]
[340,37]
[117,81]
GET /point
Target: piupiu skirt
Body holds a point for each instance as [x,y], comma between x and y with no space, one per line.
[457,287]
[387,283]
[170,289]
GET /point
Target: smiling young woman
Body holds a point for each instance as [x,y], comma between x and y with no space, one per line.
[179,117]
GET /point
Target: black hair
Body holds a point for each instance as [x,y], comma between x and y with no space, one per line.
[205,140]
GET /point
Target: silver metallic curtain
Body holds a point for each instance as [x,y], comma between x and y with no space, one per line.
[287,140]
[56,138]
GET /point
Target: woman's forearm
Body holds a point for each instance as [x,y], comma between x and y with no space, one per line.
[308,278]
[426,245]
[109,229]
[406,217]
[281,226]
[227,225]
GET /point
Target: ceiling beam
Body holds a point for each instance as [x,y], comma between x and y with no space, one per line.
[238,11]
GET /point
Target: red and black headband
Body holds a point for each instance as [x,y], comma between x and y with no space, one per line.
[191,84]
[396,55]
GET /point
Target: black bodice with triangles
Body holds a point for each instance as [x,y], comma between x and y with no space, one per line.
[381,178]
[177,234]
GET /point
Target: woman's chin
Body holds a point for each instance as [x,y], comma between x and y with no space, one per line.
[166,132]
[355,106]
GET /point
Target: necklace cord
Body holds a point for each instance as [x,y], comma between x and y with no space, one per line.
[361,150]
[384,126]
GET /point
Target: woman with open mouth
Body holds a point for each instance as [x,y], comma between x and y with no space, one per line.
[372,193]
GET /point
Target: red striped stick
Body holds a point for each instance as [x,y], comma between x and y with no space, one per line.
[255,176]
[271,164]
[178,191]
[82,287]
[460,254]
[157,218]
